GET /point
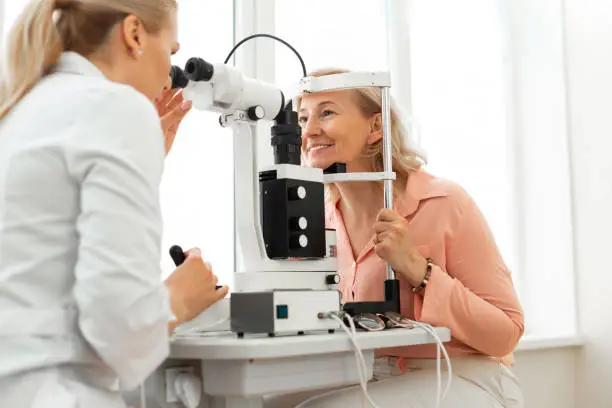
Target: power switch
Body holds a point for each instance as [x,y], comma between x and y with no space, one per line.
[282,311]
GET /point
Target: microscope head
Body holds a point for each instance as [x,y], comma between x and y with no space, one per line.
[222,88]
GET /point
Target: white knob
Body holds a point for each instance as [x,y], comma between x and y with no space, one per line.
[301,192]
[303,223]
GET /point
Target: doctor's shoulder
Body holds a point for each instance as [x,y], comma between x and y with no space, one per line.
[111,113]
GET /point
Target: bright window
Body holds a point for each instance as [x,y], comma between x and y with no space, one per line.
[460,102]
[330,34]
[197,189]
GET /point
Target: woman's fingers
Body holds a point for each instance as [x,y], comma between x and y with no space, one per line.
[387,215]
[221,292]
[175,101]
[162,102]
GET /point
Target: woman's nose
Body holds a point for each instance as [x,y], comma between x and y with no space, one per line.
[311,128]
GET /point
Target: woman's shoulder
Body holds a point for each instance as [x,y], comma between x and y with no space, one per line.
[97,95]
[120,100]
[101,115]
[429,185]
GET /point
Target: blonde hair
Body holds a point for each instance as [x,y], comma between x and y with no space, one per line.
[46,28]
[405,159]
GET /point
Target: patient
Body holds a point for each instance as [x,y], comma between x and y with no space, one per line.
[437,241]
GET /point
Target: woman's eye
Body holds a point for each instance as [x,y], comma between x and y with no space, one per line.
[326,113]
[302,120]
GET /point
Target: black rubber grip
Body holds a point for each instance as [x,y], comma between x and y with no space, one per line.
[178,256]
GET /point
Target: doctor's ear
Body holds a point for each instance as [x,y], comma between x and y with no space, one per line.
[375,128]
[134,34]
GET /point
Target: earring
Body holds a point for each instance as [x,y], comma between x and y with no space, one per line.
[140,52]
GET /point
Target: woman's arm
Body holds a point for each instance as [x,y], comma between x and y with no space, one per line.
[476,299]
[116,157]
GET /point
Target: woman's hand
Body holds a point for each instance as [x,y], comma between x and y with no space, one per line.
[172,109]
[393,243]
[192,288]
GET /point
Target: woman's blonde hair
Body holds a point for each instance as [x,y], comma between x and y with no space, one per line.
[405,159]
[46,28]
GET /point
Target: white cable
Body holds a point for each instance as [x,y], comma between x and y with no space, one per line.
[440,345]
[361,364]
[362,367]
[359,354]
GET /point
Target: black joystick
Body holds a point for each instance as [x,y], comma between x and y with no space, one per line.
[178,256]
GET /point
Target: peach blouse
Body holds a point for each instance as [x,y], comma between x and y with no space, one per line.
[470,290]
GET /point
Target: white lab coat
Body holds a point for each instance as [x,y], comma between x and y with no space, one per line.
[83,310]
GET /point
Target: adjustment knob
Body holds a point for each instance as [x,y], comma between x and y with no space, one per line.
[332,279]
[256,113]
[299,223]
[297,193]
[299,241]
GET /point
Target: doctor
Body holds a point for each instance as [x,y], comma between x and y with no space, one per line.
[83,311]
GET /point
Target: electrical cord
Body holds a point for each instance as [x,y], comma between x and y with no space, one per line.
[274,38]
[361,364]
[440,347]
[362,367]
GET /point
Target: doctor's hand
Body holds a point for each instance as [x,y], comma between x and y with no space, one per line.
[393,243]
[192,288]
[172,109]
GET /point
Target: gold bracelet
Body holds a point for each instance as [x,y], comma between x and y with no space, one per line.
[425,280]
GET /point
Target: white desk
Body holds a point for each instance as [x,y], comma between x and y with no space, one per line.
[238,372]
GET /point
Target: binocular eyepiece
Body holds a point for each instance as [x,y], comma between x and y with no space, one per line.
[179,79]
[196,69]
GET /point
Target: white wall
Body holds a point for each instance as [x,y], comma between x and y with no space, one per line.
[589,52]
[548,378]
[582,377]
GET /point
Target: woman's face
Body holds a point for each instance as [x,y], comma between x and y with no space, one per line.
[151,71]
[334,130]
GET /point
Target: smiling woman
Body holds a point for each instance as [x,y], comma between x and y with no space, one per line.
[337,125]
[436,239]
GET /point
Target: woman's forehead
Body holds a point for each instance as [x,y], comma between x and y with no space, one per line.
[320,99]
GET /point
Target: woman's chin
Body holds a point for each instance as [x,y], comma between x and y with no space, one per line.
[319,164]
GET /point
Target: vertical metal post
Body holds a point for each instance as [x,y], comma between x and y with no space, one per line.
[387,157]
